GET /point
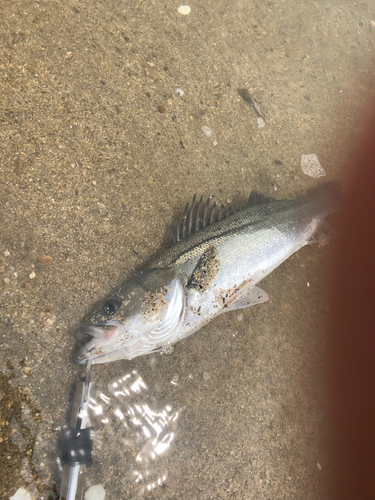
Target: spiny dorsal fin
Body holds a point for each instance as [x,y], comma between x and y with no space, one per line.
[199,215]
[202,214]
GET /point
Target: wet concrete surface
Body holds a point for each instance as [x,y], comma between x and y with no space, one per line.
[98,157]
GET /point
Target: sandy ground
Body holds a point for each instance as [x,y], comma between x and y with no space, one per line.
[98,157]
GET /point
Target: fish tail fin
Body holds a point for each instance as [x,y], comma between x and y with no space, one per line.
[328,196]
[326,199]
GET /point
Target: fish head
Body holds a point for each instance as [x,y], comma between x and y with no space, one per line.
[143,316]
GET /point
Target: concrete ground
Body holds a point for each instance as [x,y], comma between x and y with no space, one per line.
[98,157]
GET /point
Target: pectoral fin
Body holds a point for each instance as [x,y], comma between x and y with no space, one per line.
[252,297]
[205,271]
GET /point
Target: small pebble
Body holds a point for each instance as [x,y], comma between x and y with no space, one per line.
[206,376]
[46,259]
[287,409]
[32,275]
[311,166]
[179,92]
[319,466]
[6,253]
[261,123]
[95,492]
[26,284]
[184,10]
[6,280]
[161,109]
[207,131]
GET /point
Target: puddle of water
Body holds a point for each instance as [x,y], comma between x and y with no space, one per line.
[129,422]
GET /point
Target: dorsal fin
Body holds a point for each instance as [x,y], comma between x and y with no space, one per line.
[202,214]
[257,198]
[199,215]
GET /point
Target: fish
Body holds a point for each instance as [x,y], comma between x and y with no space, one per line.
[217,259]
[245,94]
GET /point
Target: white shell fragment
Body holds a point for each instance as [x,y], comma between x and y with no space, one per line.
[184,10]
[207,131]
[96,492]
[179,92]
[261,122]
[311,166]
[20,494]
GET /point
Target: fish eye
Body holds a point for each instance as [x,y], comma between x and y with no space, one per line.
[110,307]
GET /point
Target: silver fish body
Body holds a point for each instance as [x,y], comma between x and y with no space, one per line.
[213,267]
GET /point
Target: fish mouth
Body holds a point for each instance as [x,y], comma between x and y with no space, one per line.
[82,358]
[98,335]
[104,331]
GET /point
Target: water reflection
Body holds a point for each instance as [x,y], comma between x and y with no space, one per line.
[137,425]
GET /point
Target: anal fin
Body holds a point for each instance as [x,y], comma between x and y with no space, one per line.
[252,297]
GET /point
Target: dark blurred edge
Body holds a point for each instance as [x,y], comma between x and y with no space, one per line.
[352,346]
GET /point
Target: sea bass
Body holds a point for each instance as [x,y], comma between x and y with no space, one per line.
[213,267]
